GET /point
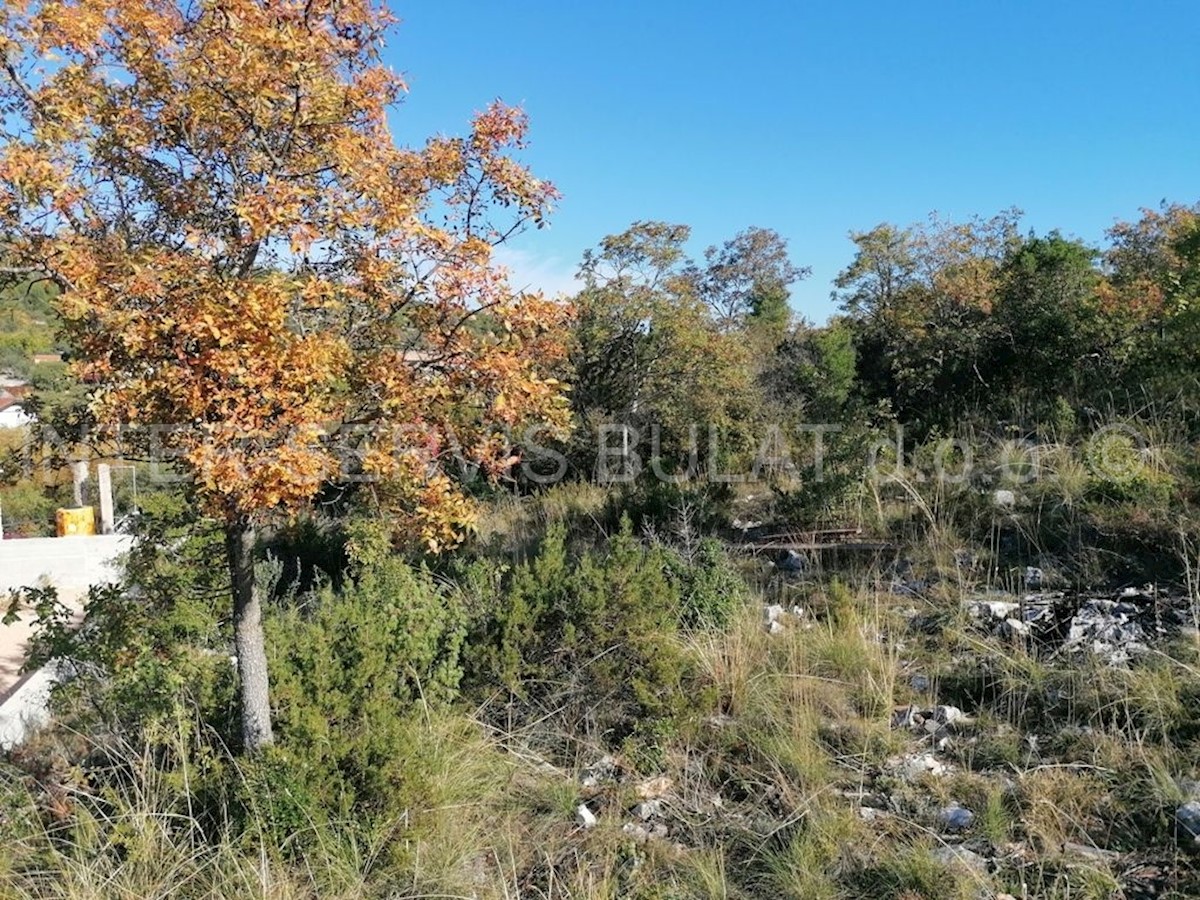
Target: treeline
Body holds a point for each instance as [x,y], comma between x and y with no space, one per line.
[944,328]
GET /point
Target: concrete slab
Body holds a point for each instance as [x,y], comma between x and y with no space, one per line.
[71,564]
[27,706]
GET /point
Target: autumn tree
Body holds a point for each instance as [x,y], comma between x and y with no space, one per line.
[920,301]
[248,258]
[1150,299]
[1047,342]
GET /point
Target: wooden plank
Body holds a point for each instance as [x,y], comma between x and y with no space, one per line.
[801,547]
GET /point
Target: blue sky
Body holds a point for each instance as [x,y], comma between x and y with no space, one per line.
[817,118]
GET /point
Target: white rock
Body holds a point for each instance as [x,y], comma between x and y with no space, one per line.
[995,609]
[635,831]
[773,613]
[1015,628]
[585,817]
[603,769]
[923,764]
[648,809]
[950,715]
[1004,499]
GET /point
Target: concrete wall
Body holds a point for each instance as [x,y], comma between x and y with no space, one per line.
[26,708]
[71,564]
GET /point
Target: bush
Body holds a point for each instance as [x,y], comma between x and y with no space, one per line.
[151,651]
[711,590]
[1120,472]
[597,639]
[352,675]
[28,510]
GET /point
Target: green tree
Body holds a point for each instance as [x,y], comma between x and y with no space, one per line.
[920,301]
[1046,342]
[746,281]
[647,352]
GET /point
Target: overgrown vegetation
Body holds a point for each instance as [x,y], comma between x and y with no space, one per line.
[901,605]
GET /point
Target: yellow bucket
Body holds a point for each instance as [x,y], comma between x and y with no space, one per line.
[77,520]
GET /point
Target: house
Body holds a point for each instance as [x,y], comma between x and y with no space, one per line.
[12,413]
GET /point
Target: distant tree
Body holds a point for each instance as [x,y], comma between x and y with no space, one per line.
[746,280]
[920,301]
[248,257]
[1150,300]
[884,266]
[1047,342]
[647,351]
[812,375]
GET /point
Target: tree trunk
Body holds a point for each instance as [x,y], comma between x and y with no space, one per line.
[248,639]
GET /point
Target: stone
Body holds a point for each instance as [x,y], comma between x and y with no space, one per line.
[1004,499]
[604,769]
[950,715]
[961,857]
[584,817]
[923,764]
[1187,826]
[1034,577]
[1015,628]
[955,818]
[908,717]
[635,831]
[920,683]
[648,809]
[1104,628]
[992,609]
[772,613]
[792,562]
[775,628]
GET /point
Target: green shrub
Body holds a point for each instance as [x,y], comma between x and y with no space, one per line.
[351,674]
[710,588]
[597,638]
[28,509]
[1120,472]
